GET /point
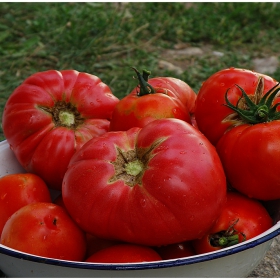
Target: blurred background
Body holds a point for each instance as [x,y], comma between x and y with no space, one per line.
[189,41]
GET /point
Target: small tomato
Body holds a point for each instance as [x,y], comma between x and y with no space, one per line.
[124,253]
[241,219]
[18,190]
[156,98]
[46,230]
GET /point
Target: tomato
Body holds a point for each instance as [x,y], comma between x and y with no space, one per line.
[95,244]
[251,158]
[156,98]
[18,190]
[124,253]
[241,219]
[51,115]
[175,251]
[213,118]
[158,185]
[46,230]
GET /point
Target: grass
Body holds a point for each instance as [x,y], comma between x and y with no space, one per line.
[106,39]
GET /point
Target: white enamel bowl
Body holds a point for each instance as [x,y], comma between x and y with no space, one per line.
[237,261]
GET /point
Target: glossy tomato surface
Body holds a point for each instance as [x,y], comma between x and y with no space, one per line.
[51,115]
[213,118]
[46,230]
[158,185]
[251,158]
[172,98]
[18,190]
[124,253]
[241,216]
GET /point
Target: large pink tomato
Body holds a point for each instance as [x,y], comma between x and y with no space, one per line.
[158,185]
[51,115]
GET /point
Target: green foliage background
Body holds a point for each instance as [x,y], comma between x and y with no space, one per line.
[106,39]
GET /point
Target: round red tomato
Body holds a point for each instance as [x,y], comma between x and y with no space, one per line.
[95,244]
[241,219]
[175,251]
[18,190]
[156,98]
[124,253]
[46,230]
[251,158]
[158,185]
[213,118]
[51,115]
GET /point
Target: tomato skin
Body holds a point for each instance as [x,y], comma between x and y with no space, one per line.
[51,115]
[46,230]
[95,244]
[175,251]
[124,253]
[251,158]
[253,219]
[181,184]
[173,99]
[180,88]
[18,190]
[210,110]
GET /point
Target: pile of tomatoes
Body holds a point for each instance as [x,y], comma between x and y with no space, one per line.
[162,173]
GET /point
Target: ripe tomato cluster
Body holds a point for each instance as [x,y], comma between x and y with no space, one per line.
[162,173]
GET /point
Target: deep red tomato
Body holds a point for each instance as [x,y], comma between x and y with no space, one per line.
[18,190]
[175,251]
[124,253]
[95,244]
[46,230]
[251,158]
[212,117]
[156,98]
[51,115]
[241,219]
[158,185]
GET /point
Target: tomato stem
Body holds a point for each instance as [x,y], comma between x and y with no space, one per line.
[229,240]
[66,118]
[259,111]
[226,238]
[144,87]
[64,114]
[134,167]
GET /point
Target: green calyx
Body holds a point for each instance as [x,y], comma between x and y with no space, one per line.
[226,241]
[226,238]
[67,118]
[134,167]
[144,86]
[259,111]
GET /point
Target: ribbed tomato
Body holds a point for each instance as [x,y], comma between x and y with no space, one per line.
[51,115]
[158,185]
